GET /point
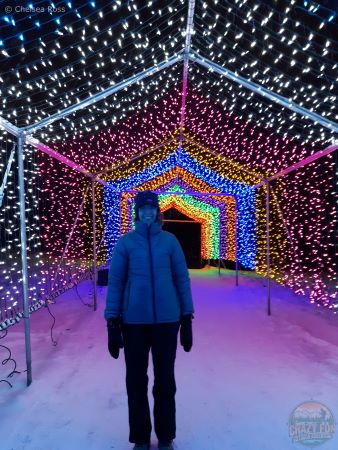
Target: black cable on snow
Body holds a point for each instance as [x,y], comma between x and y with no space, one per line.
[7,360]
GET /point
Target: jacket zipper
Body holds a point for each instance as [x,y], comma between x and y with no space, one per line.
[128,296]
[152,274]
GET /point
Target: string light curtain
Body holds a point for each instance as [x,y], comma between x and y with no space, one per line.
[232,137]
[61,58]
[65,203]
[11,306]
[277,45]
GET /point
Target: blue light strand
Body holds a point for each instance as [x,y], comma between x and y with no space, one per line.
[245,197]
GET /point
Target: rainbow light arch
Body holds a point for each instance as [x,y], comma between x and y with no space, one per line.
[208,216]
[188,167]
[222,216]
[209,228]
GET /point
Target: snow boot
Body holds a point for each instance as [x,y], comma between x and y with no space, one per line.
[141,447]
[168,445]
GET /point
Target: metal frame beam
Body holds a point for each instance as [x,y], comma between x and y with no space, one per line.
[68,162]
[15,131]
[7,171]
[104,94]
[196,194]
[300,164]
[258,89]
[184,139]
[45,149]
[163,144]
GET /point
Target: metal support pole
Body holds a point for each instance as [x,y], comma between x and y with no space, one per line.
[4,180]
[268,245]
[24,259]
[94,245]
[236,261]
[236,270]
[335,190]
[188,33]
[69,239]
[287,231]
[219,253]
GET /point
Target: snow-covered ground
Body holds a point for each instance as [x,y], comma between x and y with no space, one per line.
[236,389]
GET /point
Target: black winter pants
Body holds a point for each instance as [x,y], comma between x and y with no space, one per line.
[162,340]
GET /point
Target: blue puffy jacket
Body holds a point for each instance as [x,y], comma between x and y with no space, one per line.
[148,277]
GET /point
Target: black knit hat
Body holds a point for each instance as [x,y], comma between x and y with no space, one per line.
[144,198]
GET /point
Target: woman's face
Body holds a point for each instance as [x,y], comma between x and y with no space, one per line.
[147,214]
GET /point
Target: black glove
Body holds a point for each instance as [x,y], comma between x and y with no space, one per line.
[115,341]
[186,332]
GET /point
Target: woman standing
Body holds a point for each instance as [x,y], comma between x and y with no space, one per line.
[148,301]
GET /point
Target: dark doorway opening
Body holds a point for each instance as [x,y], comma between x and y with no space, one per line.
[188,232]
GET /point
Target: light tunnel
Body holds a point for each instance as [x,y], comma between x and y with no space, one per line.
[223,229]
